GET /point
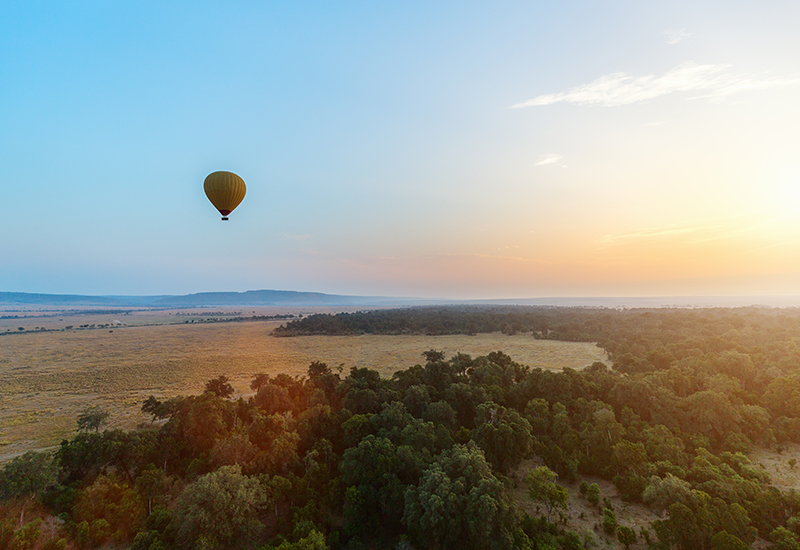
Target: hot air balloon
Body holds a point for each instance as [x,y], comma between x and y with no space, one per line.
[225,190]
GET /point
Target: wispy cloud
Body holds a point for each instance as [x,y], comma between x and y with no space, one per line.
[620,89]
[699,233]
[315,252]
[676,36]
[653,234]
[548,159]
[296,237]
[495,257]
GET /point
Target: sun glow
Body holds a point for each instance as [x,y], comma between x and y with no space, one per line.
[784,198]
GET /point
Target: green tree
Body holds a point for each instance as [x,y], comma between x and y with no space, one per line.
[219,511]
[626,535]
[128,451]
[629,456]
[464,399]
[273,398]
[278,489]
[81,456]
[725,541]
[220,387]
[733,519]
[542,487]
[362,401]
[459,504]
[23,538]
[314,541]
[663,446]
[537,413]
[363,391]
[433,356]
[711,414]
[259,381]
[92,418]
[417,399]
[236,449]
[111,508]
[200,421]
[598,437]
[376,475]
[442,413]
[26,477]
[161,409]
[609,521]
[683,528]
[28,474]
[593,494]
[783,539]
[503,434]
[151,406]
[151,484]
[321,376]
[661,492]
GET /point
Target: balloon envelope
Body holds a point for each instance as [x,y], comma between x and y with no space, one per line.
[225,190]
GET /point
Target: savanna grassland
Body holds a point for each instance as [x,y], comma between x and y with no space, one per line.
[48,376]
[686,435]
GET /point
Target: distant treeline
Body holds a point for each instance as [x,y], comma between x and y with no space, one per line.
[545,322]
[211,318]
[617,331]
[200,318]
[237,314]
[424,459]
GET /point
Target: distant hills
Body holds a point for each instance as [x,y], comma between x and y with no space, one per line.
[204,299]
[294,298]
[277,298]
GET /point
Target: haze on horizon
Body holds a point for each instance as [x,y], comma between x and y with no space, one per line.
[449,149]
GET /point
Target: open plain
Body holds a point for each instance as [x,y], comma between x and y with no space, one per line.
[48,376]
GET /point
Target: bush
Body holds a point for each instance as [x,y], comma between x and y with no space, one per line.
[609,521]
[626,535]
[593,494]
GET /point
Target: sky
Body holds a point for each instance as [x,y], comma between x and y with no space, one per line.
[445,149]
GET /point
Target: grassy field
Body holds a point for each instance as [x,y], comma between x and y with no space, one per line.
[47,378]
[54,318]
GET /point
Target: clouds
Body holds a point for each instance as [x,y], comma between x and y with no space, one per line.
[676,36]
[688,234]
[548,159]
[296,237]
[617,89]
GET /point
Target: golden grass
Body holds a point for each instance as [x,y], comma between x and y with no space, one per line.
[47,378]
[776,464]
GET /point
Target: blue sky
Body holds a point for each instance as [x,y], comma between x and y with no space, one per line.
[450,149]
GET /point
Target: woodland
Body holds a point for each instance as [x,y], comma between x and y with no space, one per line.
[425,459]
